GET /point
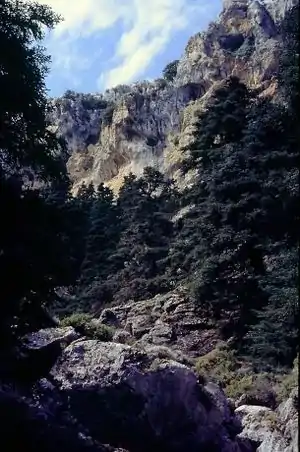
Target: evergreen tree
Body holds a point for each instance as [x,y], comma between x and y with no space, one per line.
[145,204]
[273,340]
[289,59]
[245,201]
[29,152]
[170,70]
[101,242]
[219,246]
[222,123]
[25,142]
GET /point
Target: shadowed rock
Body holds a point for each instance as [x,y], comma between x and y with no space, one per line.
[142,401]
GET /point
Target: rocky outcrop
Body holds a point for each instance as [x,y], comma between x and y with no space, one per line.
[43,338]
[127,398]
[167,320]
[107,396]
[242,42]
[34,358]
[273,431]
[278,8]
[40,421]
[130,127]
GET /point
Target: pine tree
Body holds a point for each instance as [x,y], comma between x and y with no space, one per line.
[288,76]
[145,205]
[101,242]
[272,340]
[243,203]
[218,249]
[222,123]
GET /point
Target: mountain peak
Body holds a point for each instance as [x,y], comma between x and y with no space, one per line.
[133,126]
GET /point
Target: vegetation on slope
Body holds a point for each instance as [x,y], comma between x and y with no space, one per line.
[235,250]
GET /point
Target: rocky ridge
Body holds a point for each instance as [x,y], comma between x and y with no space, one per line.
[169,320]
[150,123]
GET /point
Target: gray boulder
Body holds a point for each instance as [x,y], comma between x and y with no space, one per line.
[42,338]
[128,398]
[273,431]
[40,422]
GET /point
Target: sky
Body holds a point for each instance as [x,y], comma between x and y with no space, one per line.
[104,43]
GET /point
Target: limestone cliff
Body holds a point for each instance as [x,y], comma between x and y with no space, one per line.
[150,123]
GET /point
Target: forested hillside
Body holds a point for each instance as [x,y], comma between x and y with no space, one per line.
[129,320]
[234,247]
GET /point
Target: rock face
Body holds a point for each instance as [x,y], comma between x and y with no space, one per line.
[278,8]
[133,126]
[126,398]
[44,338]
[166,320]
[273,431]
[113,397]
[41,422]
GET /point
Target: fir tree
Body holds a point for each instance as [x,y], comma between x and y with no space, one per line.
[218,249]
[101,242]
[145,204]
[272,340]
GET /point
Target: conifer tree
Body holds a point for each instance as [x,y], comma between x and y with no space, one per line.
[145,206]
[272,340]
[29,153]
[218,249]
[101,241]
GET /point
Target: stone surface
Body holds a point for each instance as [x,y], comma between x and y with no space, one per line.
[169,320]
[265,396]
[107,396]
[278,8]
[274,431]
[127,398]
[45,337]
[40,421]
[147,123]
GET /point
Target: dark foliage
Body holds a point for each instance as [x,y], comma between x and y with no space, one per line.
[108,115]
[235,248]
[170,71]
[237,245]
[29,153]
[102,238]
[136,243]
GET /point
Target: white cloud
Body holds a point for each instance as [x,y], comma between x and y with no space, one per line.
[153,23]
[149,26]
[85,17]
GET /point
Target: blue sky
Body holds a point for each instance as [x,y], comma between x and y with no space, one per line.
[103,43]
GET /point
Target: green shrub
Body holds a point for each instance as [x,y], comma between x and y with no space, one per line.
[256,389]
[236,377]
[218,365]
[84,324]
[170,70]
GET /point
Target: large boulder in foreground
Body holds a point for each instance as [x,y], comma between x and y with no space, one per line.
[40,422]
[128,398]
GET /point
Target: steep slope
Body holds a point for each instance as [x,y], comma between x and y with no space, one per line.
[131,126]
